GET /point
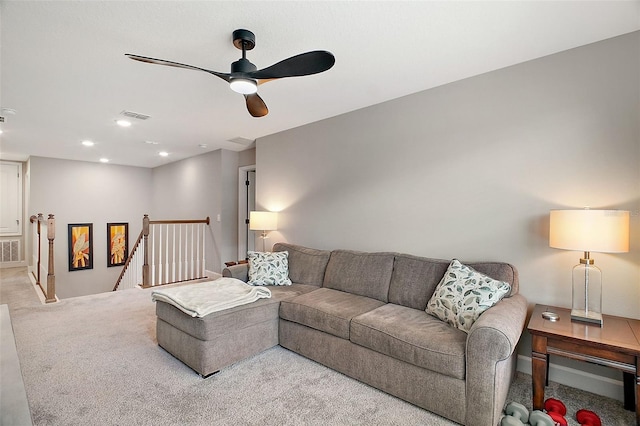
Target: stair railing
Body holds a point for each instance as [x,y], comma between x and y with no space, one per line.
[166,252]
[131,274]
[47,267]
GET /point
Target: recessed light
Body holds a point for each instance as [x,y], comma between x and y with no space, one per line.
[88,143]
[151,142]
[203,145]
[104,160]
[123,123]
[163,154]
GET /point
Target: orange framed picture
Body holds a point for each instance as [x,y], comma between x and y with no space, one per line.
[117,243]
[80,246]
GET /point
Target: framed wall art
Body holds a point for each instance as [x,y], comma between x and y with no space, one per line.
[117,243]
[80,246]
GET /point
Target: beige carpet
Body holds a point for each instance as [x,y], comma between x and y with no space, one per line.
[94,360]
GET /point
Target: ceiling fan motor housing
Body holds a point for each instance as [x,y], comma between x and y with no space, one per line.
[242,66]
[239,81]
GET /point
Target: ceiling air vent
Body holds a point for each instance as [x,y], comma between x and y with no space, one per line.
[135,115]
[242,141]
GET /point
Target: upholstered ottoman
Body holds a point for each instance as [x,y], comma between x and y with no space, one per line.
[222,338]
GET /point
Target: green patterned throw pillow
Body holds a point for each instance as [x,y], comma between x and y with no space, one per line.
[463,294]
[269,268]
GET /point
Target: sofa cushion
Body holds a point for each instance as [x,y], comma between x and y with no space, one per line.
[223,322]
[306,265]
[364,274]
[413,336]
[268,268]
[464,294]
[414,279]
[327,310]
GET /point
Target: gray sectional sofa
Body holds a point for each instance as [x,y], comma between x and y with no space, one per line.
[363,314]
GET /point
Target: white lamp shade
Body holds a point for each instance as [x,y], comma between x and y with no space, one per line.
[605,231]
[263,221]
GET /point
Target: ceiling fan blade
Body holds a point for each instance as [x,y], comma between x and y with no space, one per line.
[256,106]
[296,66]
[226,77]
[266,80]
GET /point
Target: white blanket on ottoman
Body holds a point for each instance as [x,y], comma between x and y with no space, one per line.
[206,297]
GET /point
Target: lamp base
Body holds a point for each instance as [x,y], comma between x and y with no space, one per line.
[590,317]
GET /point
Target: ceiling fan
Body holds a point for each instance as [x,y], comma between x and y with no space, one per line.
[245,77]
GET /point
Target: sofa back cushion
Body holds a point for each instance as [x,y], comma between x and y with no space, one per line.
[415,278]
[306,265]
[364,274]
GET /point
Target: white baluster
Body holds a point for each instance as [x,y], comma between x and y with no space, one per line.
[153,255]
[166,255]
[180,253]
[196,261]
[191,274]
[204,235]
[173,257]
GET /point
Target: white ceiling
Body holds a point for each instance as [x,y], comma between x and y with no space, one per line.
[64,71]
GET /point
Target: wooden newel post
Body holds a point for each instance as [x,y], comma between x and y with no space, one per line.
[51,277]
[145,247]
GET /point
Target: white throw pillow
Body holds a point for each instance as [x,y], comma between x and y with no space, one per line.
[269,268]
[463,294]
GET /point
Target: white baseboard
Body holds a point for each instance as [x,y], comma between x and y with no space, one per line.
[586,381]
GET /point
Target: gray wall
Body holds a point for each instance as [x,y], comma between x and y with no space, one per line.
[83,192]
[471,169]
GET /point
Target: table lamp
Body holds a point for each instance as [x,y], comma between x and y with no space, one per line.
[605,231]
[263,221]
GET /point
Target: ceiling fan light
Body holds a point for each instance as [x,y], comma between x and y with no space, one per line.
[244,86]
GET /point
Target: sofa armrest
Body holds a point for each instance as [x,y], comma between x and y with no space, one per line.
[240,272]
[491,344]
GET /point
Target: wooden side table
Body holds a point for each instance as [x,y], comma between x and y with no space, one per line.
[616,344]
